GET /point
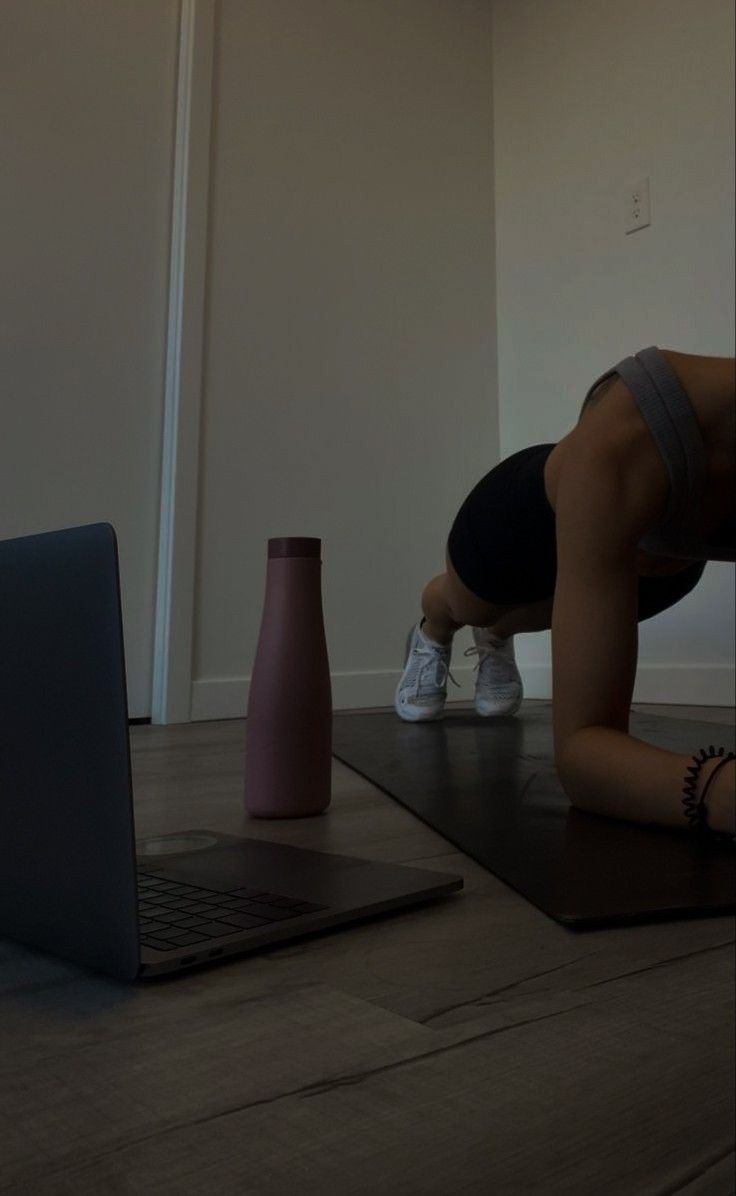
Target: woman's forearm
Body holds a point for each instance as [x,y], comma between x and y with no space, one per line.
[606,771]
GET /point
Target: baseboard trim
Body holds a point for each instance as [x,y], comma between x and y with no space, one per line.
[674,685]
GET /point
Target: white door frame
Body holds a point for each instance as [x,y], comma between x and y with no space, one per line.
[177,552]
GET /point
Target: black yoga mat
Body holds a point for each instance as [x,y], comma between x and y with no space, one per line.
[489,787]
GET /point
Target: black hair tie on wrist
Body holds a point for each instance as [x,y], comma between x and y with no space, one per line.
[695,810]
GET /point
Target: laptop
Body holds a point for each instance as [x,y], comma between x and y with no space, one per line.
[71,881]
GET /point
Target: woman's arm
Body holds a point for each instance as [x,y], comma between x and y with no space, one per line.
[610,772]
[601,514]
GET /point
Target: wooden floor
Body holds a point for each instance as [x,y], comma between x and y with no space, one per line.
[471,1046]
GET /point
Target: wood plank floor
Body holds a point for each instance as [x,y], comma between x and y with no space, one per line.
[471,1046]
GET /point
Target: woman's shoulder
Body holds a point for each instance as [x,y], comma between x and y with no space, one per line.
[706,379]
[708,382]
[612,433]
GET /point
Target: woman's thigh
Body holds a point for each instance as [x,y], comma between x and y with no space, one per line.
[502,545]
[660,593]
[503,542]
[655,594]
[467,607]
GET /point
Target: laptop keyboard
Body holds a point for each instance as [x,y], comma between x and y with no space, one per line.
[175,915]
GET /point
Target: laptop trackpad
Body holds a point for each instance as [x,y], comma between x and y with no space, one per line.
[257,863]
[292,871]
[173,844]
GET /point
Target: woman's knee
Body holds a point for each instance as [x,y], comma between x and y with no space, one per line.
[465,607]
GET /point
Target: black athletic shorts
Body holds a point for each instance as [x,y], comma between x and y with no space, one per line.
[503,545]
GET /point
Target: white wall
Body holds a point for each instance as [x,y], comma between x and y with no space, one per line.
[87,102]
[589,97]
[350,380]
[352,387]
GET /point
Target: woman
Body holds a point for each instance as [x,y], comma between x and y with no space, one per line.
[589,537]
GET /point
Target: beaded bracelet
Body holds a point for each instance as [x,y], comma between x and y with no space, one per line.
[695,810]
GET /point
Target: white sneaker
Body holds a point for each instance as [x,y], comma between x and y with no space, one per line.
[421,692]
[498,686]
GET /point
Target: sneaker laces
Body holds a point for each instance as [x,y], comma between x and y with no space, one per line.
[432,656]
[504,665]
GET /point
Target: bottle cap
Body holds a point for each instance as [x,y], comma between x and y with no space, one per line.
[293,546]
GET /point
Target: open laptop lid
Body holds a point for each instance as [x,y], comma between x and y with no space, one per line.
[67,873]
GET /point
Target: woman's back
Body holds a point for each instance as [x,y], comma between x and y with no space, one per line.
[670,420]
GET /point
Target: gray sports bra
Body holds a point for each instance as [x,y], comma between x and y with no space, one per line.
[664,404]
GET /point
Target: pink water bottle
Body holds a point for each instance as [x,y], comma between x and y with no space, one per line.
[288,756]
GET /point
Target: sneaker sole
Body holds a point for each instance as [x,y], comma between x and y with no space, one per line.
[501,712]
[401,711]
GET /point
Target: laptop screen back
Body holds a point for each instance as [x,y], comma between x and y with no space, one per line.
[67,877]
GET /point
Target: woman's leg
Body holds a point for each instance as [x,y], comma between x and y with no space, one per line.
[535,616]
[660,593]
[442,612]
[448,605]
